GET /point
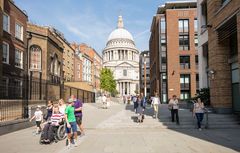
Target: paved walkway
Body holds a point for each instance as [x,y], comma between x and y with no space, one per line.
[114,131]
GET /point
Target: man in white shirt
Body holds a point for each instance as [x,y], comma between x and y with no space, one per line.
[155,104]
[173,105]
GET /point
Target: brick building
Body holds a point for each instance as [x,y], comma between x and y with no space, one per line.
[173,50]
[91,64]
[78,66]
[144,72]
[14,50]
[223,26]
[45,60]
[68,56]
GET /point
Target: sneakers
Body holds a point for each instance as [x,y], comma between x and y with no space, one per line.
[200,129]
[69,146]
[75,145]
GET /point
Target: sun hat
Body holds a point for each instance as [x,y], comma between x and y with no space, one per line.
[70,100]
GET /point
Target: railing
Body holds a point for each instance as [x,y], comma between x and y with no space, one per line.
[11,110]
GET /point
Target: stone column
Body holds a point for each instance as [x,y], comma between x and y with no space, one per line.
[128,88]
[124,88]
[120,88]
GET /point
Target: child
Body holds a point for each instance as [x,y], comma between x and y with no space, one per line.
[38,115]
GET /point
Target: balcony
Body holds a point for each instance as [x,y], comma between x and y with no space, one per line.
[54,79]
[185,86]
[184,66]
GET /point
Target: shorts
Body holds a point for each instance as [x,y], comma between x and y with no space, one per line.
[38,123]
[78,120]
[73,127]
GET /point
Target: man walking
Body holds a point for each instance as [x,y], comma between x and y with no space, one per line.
[71,124]
[173,105]
[155,104]
[78,104]
[104,101]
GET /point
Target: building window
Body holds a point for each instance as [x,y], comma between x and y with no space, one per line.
[185,86]
[18,58]
[124,72]
[185,62]
[196,61]
[35,55]
[5,58]
[183,25]
[195,25]
[204,18]
[6,22]
[185,81]
[163,25]
[4,87]
[19,31]
[185,95]
[196,41]
[197,82]
[18,84]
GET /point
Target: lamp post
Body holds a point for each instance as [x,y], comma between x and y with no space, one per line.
[26,109]
[145,77]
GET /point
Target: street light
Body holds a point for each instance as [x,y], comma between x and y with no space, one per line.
[145,78]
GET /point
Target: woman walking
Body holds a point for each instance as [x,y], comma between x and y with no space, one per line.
[199,112]
[49,110]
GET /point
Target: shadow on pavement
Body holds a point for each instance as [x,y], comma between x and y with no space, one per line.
[229,138]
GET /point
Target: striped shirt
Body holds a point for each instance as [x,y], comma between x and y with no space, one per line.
[55,118]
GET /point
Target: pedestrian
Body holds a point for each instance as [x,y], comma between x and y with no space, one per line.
[124,99]
[199,112]
[108,101]
[49,128]
[135,103]
[78,105]
[71,125]
[155,104]
[49,110]
[143,102]
[104,101]
[62,106]
[38,115]
[173,106]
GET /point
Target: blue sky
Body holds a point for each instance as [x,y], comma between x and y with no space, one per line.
[91,21]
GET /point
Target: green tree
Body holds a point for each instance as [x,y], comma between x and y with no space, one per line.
[107,81]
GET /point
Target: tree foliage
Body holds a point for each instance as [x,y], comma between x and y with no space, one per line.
[107,81]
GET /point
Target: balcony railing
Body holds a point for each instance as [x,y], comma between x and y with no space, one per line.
[185,86]
[184,66]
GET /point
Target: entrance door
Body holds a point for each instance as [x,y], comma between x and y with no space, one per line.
[235,87]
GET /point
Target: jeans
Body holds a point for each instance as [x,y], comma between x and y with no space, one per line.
[48,132]
[199,118]
[173,113]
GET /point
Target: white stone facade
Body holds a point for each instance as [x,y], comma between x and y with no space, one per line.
[122,57]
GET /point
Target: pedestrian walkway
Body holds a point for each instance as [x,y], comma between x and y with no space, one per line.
[113,130]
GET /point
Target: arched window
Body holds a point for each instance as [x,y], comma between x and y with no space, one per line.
[35,57]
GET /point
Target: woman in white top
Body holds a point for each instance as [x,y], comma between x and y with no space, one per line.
[155,103]
[62,106]
[173,105]
[199,112]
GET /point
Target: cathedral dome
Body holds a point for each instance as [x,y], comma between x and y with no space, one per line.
[120,32]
